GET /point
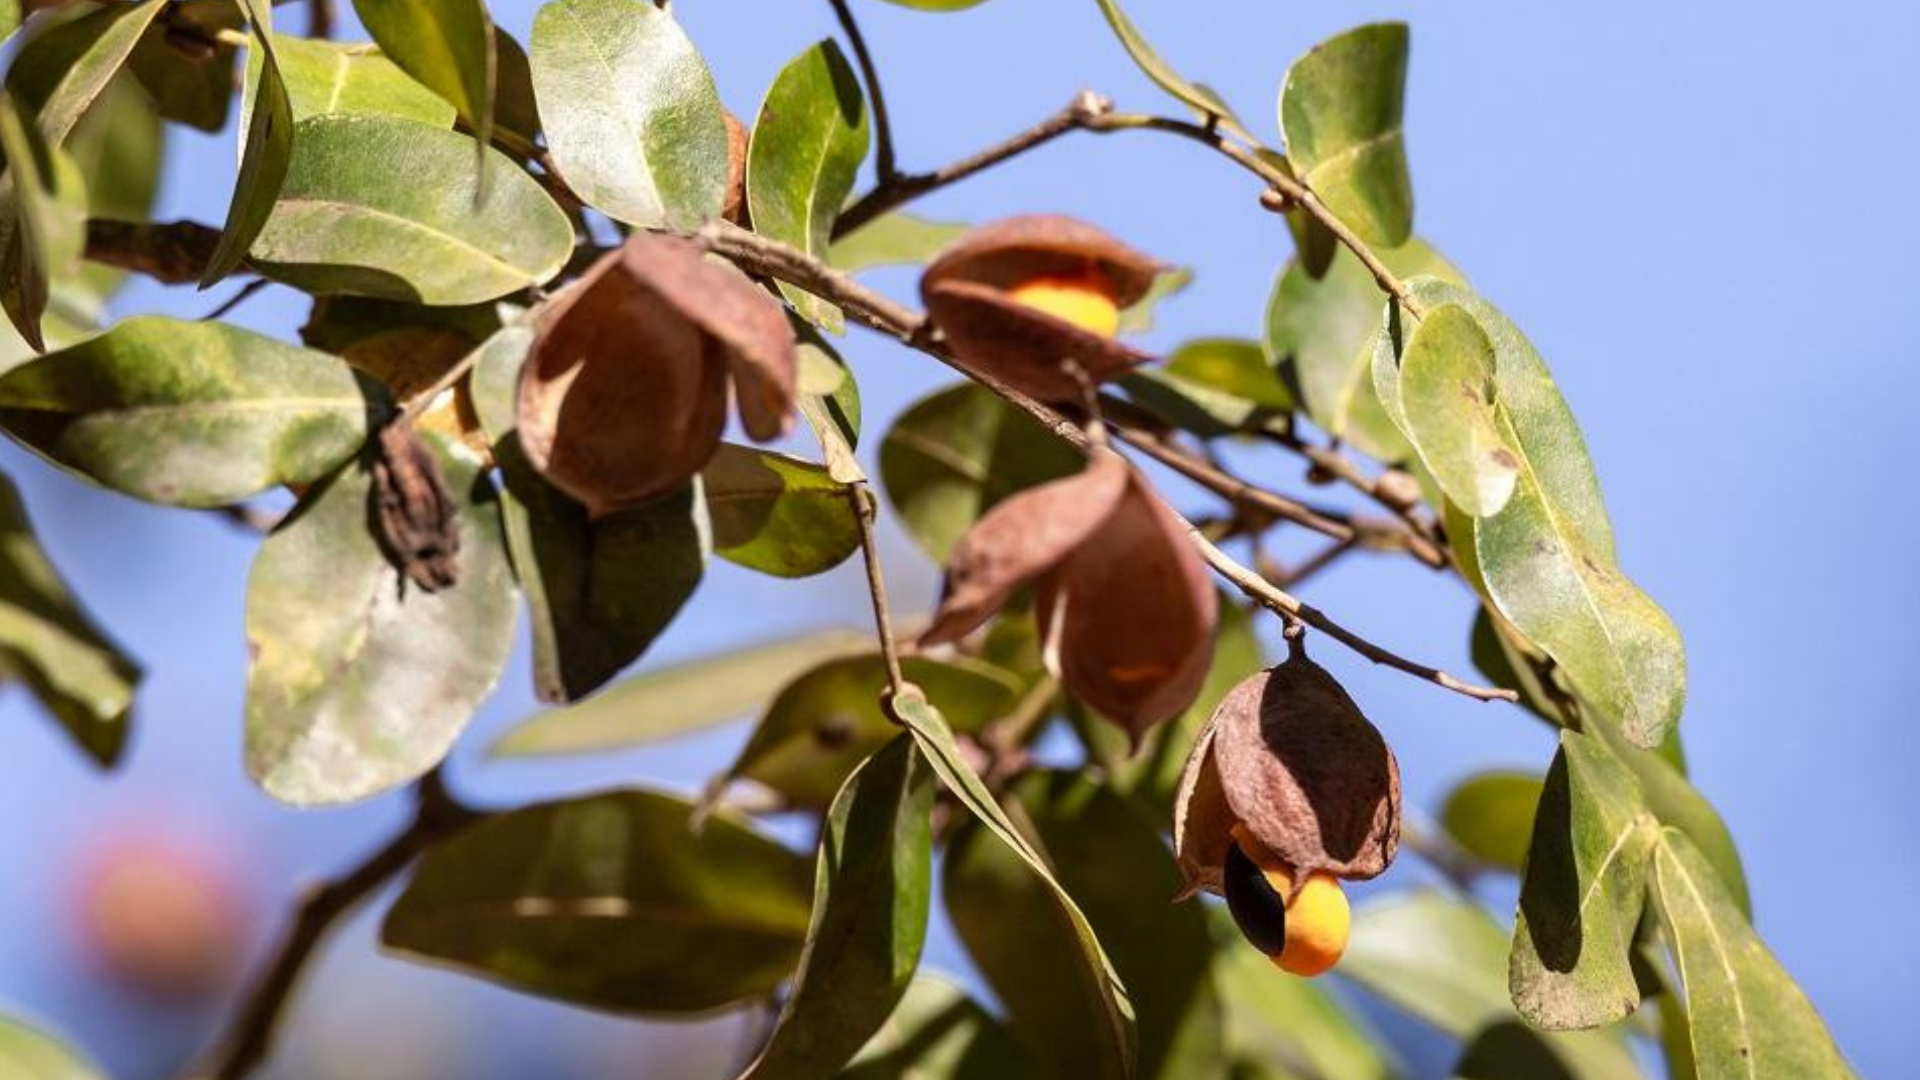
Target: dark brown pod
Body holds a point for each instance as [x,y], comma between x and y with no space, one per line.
[735,208]
[1289,756]
[966,292]
[1125,605]
[624,393]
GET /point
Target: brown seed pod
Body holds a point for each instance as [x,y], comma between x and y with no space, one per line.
[416,511]
[735,208]
[1290,757]
[966,290]
[1125,606]
[624,393]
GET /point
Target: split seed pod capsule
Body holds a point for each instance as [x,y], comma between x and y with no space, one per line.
[624,394]
[1028,298]
[1288,790]
[1125,606]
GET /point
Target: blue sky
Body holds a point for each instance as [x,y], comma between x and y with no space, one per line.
[1701,214]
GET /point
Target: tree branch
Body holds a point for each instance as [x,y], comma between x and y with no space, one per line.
[247,1044]
[884,165]
[866,511]
[173,253]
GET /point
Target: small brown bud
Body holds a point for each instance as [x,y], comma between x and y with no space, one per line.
[418,517]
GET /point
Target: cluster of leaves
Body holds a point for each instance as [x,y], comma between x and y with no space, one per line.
[438,193]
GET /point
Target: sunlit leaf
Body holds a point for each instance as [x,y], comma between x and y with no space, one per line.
[58,74]
[778,514]
[830,401]
[678,698]
[1447,390]
[359,682]
[265,155]
[951,457]
[808,143]
[1201,99]
[1110,858]
[1748,1019]
[1581,896]
[27,1053]
[1214,387]
[631,112]
[939,1032]
[1113,1051]
[446,45]
[824,723]
[601,589]
[894,239]
[613,901]
[872,888]
[1324,327]
[48,641]
[1340,110]
[190,413]
[1490,815]
[324,77]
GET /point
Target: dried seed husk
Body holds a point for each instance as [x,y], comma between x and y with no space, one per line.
[419,523]
[738,138]
[1129,615]
[1290,756]
[1023,538]
[965,292]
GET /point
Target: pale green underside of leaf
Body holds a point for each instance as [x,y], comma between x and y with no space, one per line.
[807,146]
[1547,557]
[1446,391]
[1340,109]
[1325,326]
[1747,1018]
[895,239]
[1115,1020]
[360,681]
[632,115]
[27,1053]
[190,413]
[342,225]
[324,77]
[778,514]
[612,901]
[1581,898]
[1201,99]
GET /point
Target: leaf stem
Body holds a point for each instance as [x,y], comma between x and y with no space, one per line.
[247,1044]
[884,164]
[866,509]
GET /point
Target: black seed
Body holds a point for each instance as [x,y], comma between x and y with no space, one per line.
[1257,908]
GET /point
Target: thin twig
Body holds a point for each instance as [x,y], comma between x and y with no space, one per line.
[320,19]
[884,164]
[866,509]
[246,292]
[1078,114]
[1314,564]
[246,1045]
[251,518]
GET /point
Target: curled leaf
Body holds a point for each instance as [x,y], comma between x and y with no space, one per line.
[624,395]
[1289,756]
[969,295]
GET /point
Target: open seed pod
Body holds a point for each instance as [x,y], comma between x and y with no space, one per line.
[1289,757]
[970,293]
[1126,609]
[624,393]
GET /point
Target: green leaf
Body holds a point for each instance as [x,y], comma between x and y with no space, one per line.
[1189,401]
[1443,960]
[1509,1050]
[1235,366]
[359,682]
[118,148]
[190,413]
[830,400]
[937,5]
[1112,1053]
[1490,815]
[29,1054]
[1678,804]
[1137,317]
[1324,325]
[1547,557]
[631,112]
[828,720]
[1112,860]
[45,240]
[58,74]
[265,156]
[9,18]
[1203,100]
[893,239]
[1581,897]
[1747,1017]
[48,640]
[1447,389]
[600,590]
[1340,110]
[677,699]
[191,87]
[343,225]
[952,456]
[614,901]
[808,143]
[938,1033]
[1273,1017]
[778,514]
[446,45]
[870,897]
[514,107]
[326,77]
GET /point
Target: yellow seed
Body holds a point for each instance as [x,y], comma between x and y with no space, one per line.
[1318,921]
[1085,300]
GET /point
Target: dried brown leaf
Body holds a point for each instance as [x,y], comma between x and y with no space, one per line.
[1024,346]
[1024,537]
[419,525]
[1005,254]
